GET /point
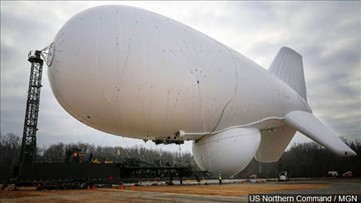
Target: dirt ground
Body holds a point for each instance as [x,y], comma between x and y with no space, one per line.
[185,193]
[230,190]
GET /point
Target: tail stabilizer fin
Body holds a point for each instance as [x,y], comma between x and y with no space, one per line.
[288,67]
[273,143]
[309,125]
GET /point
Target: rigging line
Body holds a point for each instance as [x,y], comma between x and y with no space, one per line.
[193,112]
[150,110]
[97,52]
[125,60]
[234,95]
[144,99]
[200,106]
[118,65]
[166,112]
[143,113]
[126,144]
[213,63]
[111,112]
[174,107]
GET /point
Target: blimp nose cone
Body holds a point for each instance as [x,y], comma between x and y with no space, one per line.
[90,64]
[110,71]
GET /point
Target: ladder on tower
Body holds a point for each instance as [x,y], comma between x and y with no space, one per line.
[28,145]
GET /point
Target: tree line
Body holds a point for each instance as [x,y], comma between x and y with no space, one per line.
[301,160]
[10,147]
[308,160]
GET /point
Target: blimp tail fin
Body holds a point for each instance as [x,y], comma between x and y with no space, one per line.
[288,67]
[273,143]
[309,125]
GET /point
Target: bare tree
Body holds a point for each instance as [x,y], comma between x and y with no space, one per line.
[9,154]
[54,154]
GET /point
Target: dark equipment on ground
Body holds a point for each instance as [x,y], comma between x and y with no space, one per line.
[73,155]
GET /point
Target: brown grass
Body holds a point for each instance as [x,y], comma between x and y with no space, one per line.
[235,190]
[230,190]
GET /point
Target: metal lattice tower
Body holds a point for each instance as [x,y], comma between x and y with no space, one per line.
[28,146]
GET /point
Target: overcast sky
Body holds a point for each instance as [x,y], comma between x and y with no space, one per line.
[326,34]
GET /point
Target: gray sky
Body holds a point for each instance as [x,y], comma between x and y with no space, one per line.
[326,34]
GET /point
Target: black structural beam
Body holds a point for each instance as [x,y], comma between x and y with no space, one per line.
[28,146]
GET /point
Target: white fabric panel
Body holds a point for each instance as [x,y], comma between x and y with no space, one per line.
[288,67]
[228,152]
[310,126]
[273,143]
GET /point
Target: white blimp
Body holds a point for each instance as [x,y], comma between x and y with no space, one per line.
[134,73]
